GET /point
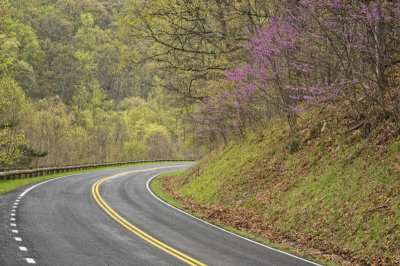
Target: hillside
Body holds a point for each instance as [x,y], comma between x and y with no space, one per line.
[68,95]
[337,197]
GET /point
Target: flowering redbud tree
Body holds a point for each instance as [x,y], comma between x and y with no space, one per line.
[356,46]
[230,109]
[314,51]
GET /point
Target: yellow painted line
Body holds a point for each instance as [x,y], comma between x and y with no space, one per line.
[96,194]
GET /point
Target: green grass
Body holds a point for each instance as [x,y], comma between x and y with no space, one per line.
[10,185]
[156,185]
[342,190]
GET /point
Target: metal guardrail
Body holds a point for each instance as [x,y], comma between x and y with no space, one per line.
[18,174]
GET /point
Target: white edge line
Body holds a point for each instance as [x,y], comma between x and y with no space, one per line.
[41,183]
[239,236]
[30,260]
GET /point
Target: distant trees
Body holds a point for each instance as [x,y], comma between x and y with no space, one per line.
[51,38]
[11,140]
[54,27]
[14,147]
[10,97]
[98,132]
[63,91]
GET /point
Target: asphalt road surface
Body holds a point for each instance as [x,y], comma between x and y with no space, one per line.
[110,218]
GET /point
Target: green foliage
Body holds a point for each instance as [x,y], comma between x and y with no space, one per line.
[24,74]
[11,141]
[157,187]
[12,98]
[69,93]
[10,147]
[4,15]
[29,49]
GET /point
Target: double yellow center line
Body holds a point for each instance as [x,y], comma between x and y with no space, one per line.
[134,229]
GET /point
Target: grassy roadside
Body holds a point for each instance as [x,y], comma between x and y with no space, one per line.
[156,186]
[10,185]
[339,193]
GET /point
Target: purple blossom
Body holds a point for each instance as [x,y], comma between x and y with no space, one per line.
[288,52]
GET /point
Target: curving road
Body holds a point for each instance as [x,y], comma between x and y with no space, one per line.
[110,218]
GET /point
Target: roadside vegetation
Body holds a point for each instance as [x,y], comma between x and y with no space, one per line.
[337,197]
[156,185]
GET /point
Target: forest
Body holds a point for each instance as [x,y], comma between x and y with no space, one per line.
[68,97]
[102,80]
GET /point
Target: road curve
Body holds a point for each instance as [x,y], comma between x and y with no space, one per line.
[109,218]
